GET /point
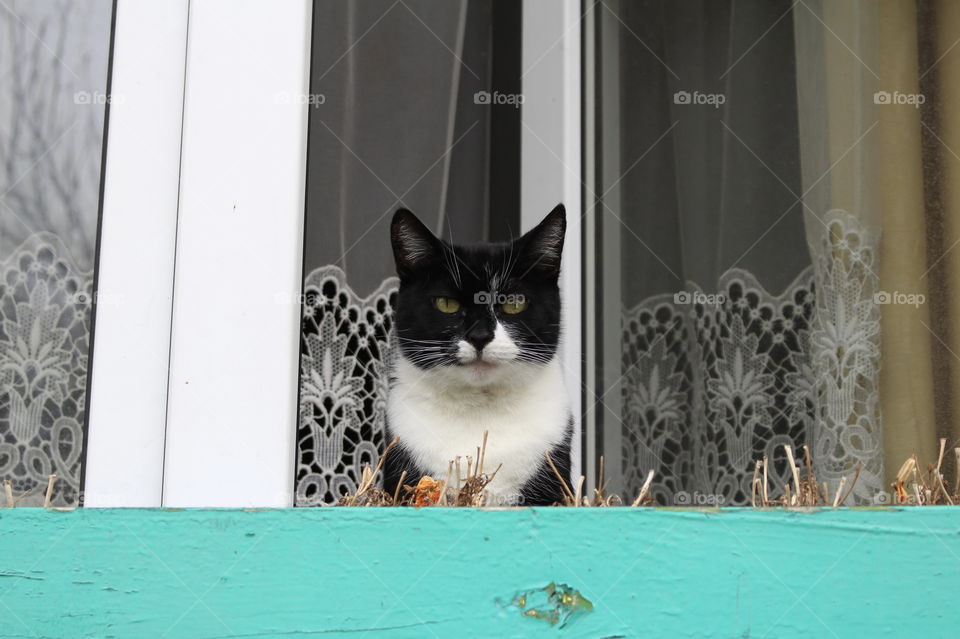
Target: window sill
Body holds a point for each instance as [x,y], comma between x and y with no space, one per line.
[454,572]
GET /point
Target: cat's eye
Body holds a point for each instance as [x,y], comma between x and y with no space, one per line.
[512,308]
[446,304]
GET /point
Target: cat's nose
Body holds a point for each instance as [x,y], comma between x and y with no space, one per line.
[478,337]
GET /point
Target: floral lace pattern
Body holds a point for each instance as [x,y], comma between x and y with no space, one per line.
[845,366]
[45,303]
[707,388]
[344,358]
[714,382]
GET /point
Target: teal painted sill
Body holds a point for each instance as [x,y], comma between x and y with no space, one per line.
[435,572]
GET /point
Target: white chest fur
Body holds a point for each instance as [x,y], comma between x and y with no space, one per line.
[439,415]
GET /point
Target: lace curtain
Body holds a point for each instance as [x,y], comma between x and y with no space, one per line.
[749,319]
[53,76]
[715,383]
[45,303]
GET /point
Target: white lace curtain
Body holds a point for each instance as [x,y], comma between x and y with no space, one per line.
[748,314]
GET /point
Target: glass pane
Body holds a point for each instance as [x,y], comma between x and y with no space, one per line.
[53,86]
[777,238]
[707,280]
[390,131]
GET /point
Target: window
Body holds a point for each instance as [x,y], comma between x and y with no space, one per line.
[53,97]
[771,232]
[422,130]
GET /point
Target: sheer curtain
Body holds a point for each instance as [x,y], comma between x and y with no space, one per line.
[881,110]
[788,272]
[395,124]
[717,284]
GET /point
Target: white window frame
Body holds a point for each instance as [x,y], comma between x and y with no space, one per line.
[213,160]
[232,404]
[128,372]
[550,164]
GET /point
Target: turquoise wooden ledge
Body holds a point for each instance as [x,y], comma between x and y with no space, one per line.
[457,572]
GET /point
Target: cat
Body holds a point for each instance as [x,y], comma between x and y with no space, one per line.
[477,332]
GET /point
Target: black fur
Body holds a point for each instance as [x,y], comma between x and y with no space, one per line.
[429,268]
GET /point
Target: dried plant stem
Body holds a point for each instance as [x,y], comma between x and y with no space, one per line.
[796,474]
[368,478]
[856,475]
[51,482]
[396,491]
[482,453]
[8,490]
[766,494]
[943,488]
[644,489]
[563,482]
[956,470]
[836,498]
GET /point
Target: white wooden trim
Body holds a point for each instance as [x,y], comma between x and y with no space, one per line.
[128,394]
[550,162]
[232,410]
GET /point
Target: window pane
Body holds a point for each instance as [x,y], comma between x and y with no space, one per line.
[706,276]
[390,130]
[53,85]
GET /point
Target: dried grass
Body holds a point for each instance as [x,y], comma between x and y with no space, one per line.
[469,489]
[915,488]
[465,486]
[11,501]
[804,491]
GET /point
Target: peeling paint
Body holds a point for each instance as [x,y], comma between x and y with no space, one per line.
[554,603]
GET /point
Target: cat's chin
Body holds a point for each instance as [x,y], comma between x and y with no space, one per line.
[481,371]
[480,365]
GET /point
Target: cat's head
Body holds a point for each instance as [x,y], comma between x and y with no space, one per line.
[478,313]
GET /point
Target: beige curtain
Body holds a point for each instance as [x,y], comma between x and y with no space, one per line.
[879,96]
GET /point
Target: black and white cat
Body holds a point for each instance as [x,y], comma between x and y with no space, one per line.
[478,328]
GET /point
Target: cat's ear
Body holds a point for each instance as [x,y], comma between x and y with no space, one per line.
[543,244]
[412,241]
